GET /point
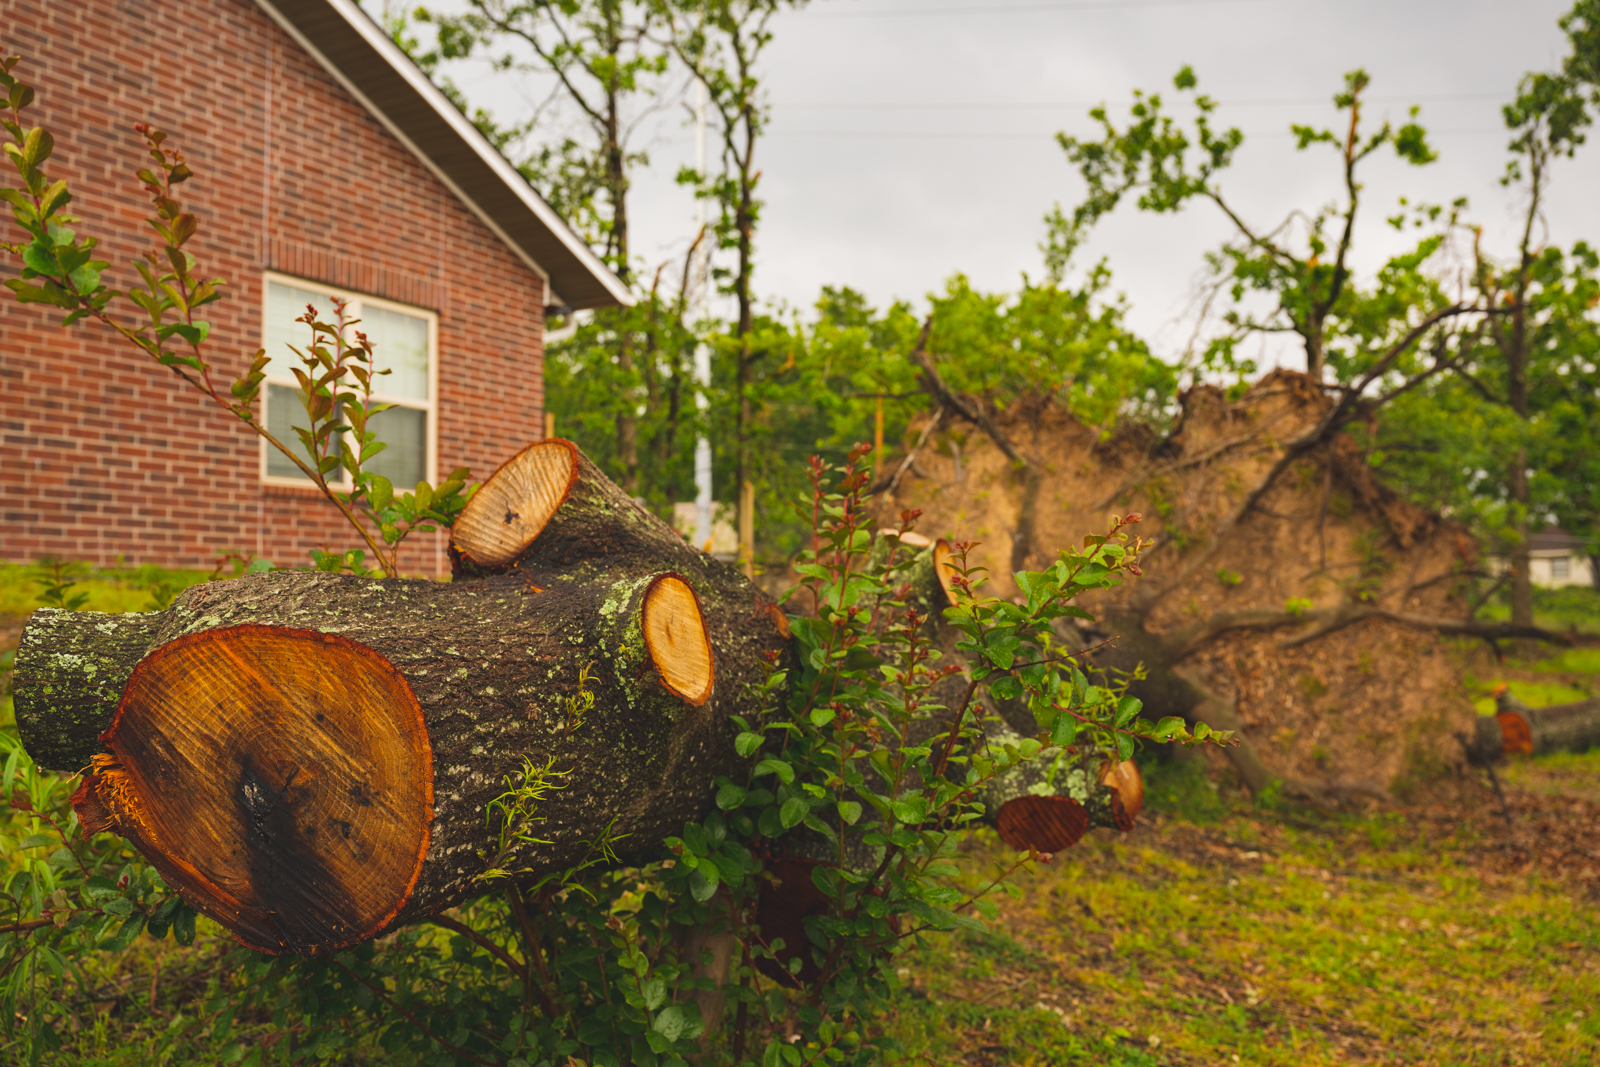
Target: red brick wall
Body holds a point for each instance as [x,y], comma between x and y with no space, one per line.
[106,456]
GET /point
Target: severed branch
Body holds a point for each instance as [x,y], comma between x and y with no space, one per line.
[1339,618]
[966,407]
[909,462]
[1187,641]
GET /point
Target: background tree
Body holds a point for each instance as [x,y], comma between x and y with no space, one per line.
[1302,265]
[608,68]
[721,42]
[1509,440]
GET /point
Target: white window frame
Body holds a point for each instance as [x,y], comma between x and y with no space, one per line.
[278,373]
[1560,567]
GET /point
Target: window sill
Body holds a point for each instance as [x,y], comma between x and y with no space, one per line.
[304,492]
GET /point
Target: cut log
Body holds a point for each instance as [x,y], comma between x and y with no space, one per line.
[569,522]
[308,758]
[1517,729]
[220,770]
[1053,816]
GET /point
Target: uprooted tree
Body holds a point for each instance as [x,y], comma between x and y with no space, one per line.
[1289,595]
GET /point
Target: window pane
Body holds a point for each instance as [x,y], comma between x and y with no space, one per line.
[1560,567]
[285,303]
[405,461]
[400,346]
[284,413]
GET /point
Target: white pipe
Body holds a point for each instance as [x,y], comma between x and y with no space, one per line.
[702,352]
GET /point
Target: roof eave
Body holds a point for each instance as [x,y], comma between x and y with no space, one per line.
[362,58]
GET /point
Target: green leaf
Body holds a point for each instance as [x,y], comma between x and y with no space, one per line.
[98,887]
[195,333]
[747,743]
[1063,730]
[38,256]
[730,796]
[669,1023]
[183,925]
[793,811]
[380,491]
[1006,687]
[48,293]
[910,810]
[849,811]
[784,772]
[703,882]
[124,936]
[1128,709]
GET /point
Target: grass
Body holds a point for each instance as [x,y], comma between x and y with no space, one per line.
[1575,608]
[1573,774]
[23,585]
[1252,940]
[110,589]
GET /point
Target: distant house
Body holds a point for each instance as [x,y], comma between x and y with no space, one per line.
[327,166]
[1557,559]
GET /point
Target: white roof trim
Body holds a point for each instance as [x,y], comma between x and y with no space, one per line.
[402,64]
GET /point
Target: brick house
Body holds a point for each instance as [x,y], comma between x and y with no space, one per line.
[326,165]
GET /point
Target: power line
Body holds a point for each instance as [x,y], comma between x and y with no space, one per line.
[1018,9]
[1303,101]
[945,135]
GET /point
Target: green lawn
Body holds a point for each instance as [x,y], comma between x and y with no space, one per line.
[109,589]
[1260,940]
[1572,608]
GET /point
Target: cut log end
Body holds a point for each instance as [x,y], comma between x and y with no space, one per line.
[1056,823]
[676,638]
[911,539]
[514,504]
[281,780]
[1128,785]
[1517,735]
[943,568]
[1045,824]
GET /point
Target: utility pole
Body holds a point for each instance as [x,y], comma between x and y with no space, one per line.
[702,352]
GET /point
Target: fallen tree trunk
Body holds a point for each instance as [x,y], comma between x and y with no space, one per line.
[1517,729]
[310,758]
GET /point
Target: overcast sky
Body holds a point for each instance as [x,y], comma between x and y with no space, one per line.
[912,139]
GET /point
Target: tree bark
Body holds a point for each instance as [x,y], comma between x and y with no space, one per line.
[310,759]
[1517,729]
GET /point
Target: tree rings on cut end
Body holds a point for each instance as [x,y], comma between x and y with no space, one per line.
[281,779]
[1125,780]
[675,636]
[1046,824]
[911,539]
[509,510]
